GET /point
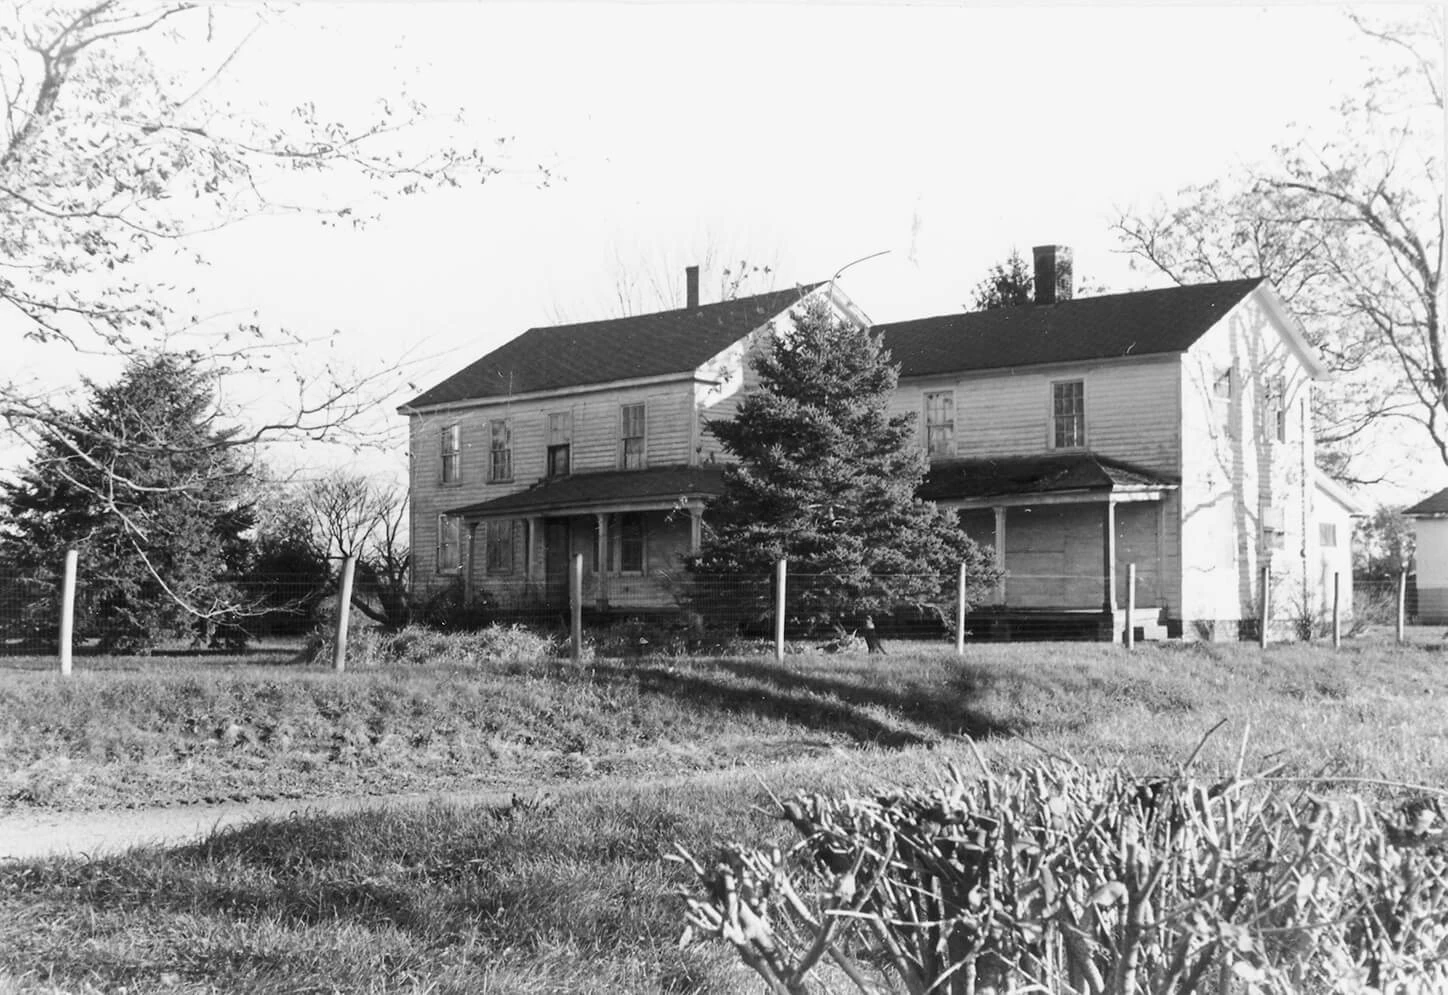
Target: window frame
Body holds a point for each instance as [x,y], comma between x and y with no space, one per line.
[553,448]
[446,523]
[1274,409]
[450,455]
[1327,535]
[494,474]
[948,449]
[1078,418]
[642,437]
[622,542]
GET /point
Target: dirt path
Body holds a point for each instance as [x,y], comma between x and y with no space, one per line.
[43,833]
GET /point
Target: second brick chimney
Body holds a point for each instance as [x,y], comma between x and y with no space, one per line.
[691,287]
[1053,273]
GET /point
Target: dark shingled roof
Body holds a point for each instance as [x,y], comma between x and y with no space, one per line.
[591,352]
[1144,322]
[1430,507]
[976,478]
[579,490]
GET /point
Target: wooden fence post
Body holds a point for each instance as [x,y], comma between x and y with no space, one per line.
[960,613]
[780,571]
[575,602]
[344,614]
[67,612]
[1266,600]
[1131,606]
[1402,614]
[1336,609]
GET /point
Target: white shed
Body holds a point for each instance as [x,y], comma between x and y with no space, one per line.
[1430,522]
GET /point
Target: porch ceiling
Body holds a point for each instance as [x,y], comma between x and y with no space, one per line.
[1057,477]
[658,487]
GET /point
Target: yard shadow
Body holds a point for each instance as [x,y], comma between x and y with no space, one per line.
[890,717]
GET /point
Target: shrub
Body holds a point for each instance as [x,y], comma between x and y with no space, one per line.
[417,644]
[1060,879]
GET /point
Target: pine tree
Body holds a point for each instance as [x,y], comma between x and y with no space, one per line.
[1008,284]
[151,494]
[826,478]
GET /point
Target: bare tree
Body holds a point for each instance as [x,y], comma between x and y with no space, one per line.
[352,515]
[118,144]
[1350,230]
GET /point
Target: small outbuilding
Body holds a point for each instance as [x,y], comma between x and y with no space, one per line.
[1430,522]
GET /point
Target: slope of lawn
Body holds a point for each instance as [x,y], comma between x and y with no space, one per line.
[182,731]
[574,895]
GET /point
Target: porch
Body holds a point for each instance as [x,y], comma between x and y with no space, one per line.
[632,529]
[1065,529]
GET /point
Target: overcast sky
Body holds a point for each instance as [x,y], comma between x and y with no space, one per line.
[802,135]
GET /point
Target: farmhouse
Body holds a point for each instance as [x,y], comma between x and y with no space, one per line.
[1430,524]
[1167,430]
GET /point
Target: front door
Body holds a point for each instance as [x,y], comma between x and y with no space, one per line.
[555,560]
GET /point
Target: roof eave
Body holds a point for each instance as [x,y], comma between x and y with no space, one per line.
[1295,334]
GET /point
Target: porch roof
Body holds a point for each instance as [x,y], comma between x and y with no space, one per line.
[966,479]
[658,486]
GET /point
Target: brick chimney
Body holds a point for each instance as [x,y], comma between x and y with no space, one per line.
[1053,273]
[691,287]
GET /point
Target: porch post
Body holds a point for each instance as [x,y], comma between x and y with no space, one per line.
[472,560]
[530,557]
[1161,551]
[696,528]
[1000,553]
[1108,556]
[602,560]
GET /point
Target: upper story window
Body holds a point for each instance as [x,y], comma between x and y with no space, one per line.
[1068,414]
[1223,383]
[940,423]
[1327,534]
[560,442]
[500,547]
[1274,409]
[631,436]
[449,544]
[451,453]
[500,450]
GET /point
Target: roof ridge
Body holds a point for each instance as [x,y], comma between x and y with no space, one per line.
[801,288]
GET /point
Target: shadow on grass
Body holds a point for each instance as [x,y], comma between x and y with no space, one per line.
[892,717]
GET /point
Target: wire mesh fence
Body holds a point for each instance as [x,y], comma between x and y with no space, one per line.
[122,616]
[655,611]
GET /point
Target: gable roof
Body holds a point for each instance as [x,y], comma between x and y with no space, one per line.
[989,477]
[593,352]
[1433,506]
[1132,324]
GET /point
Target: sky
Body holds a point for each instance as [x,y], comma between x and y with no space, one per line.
[798,135]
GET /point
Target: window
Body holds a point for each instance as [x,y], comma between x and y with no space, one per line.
[1223,382]
[500,451]
[1068,414]
[560,440]
[1274,409]
[631,543]
[452,454]
[631,436]
[449,546]
[940,423]
[1327,534]
[500,547]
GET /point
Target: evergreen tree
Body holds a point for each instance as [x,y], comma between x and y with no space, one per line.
[151,493]
[826,478]
[1007,285]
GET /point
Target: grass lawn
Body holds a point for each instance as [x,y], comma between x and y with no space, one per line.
[574,896]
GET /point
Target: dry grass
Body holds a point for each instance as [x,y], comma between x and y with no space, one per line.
[574,896]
